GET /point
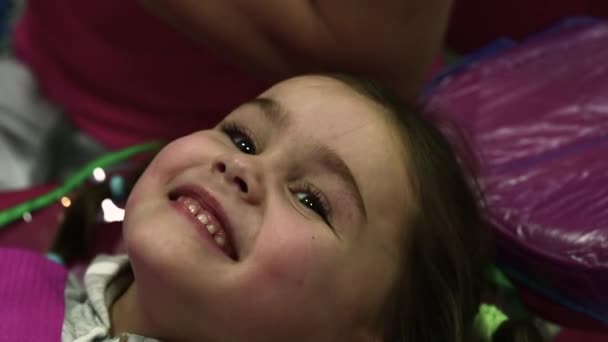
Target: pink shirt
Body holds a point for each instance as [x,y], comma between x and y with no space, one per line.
[32,296]
[123,76]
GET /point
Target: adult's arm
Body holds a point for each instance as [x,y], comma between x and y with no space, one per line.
[394,41]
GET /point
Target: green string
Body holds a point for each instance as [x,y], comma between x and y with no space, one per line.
[16,212]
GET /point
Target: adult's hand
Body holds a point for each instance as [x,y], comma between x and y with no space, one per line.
[394,41]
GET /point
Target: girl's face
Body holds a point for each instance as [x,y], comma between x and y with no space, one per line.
[306,190]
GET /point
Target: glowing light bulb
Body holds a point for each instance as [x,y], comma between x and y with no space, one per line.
[112,213]
[65,201]
[99,174]
[27,217]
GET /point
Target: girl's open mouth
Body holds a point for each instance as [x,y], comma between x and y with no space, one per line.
[207,215]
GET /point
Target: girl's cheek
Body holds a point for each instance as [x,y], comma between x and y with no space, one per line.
[171,159]
[180,155]
[293,262]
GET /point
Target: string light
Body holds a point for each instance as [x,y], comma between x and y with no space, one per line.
[27,217]
[111,212]
[18,211]
[65,201]
[99,174]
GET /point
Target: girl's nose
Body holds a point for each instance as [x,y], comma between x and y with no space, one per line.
[242,172]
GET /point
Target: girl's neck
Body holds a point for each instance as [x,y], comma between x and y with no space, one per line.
[126,315]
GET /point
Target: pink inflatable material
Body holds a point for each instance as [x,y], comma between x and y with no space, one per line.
[537,118]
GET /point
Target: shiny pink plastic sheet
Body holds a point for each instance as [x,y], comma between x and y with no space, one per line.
[537,119]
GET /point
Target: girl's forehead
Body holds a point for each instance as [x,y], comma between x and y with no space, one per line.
[313,85]
[318,101]
[329,110]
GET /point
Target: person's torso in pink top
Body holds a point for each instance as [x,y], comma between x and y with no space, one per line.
[123,76]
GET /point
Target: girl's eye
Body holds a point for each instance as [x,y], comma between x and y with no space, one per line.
[314,200]
[240,137]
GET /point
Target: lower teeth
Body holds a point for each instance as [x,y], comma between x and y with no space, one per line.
[211,229]
[220,240]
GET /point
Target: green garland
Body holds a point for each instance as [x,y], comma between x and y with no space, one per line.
[16,212]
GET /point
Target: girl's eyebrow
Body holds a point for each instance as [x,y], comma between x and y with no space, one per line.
[278,115]
[273,111]
[332,160]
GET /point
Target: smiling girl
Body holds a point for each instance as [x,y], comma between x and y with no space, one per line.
[322,210]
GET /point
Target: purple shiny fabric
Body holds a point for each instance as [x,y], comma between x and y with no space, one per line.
[537,118]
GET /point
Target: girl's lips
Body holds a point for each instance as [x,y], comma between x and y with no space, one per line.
[206,203]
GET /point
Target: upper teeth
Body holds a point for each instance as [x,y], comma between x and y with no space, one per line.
[204,217]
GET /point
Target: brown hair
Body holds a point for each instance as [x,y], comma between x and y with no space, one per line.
[446,250]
